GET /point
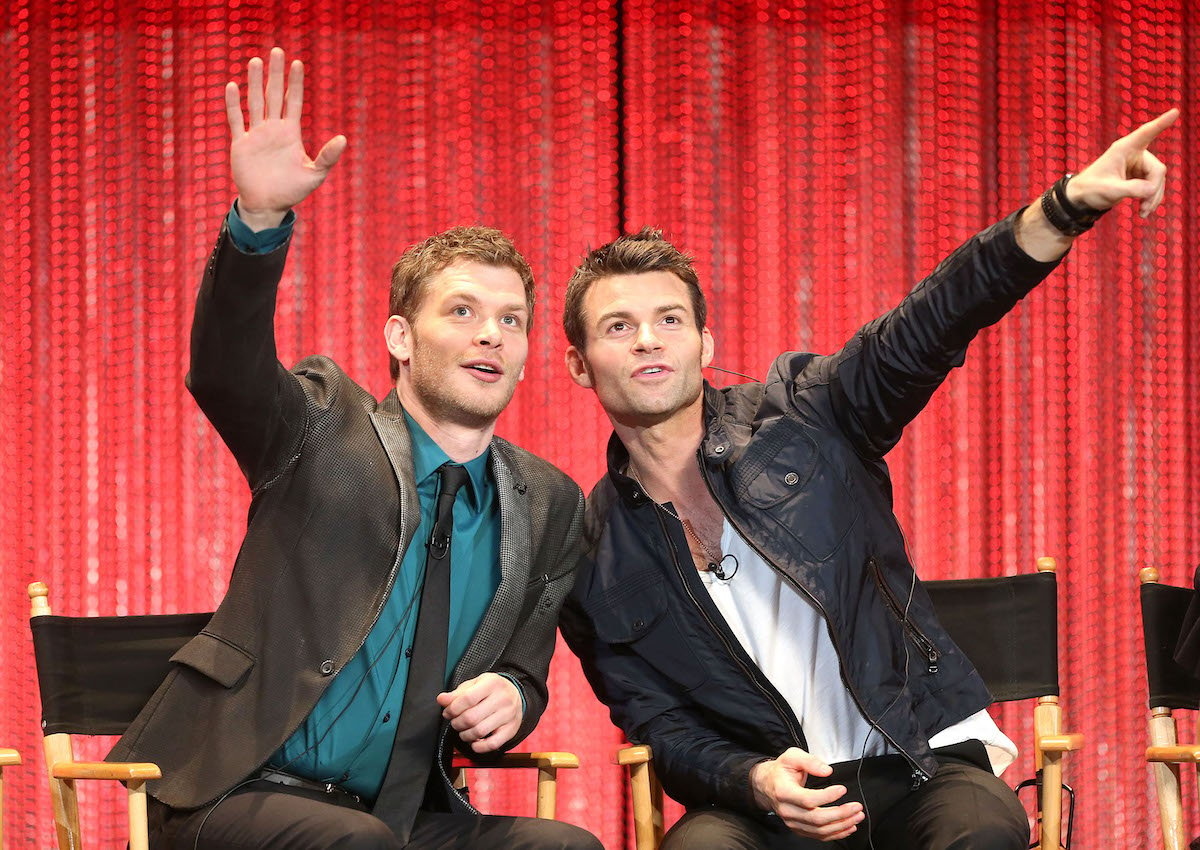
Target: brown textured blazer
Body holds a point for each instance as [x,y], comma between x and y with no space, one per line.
[333,509]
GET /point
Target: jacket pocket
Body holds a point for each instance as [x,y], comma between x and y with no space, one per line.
[638,619]
[222,662]
[904,618]
[784,476]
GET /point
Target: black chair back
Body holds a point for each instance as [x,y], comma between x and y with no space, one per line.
[96,673]
[1163,609]
[1008,628]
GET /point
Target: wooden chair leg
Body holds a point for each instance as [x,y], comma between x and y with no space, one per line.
[62,791]
[1047,720]
[1166,781]
[8,758]
[647,806]
[1051,826]
[139,838]
[547,792]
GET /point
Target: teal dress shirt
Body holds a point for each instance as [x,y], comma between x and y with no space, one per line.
[347,738]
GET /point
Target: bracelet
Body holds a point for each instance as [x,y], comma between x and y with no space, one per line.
[1067,218]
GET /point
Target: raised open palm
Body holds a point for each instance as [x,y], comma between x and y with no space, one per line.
[271,170]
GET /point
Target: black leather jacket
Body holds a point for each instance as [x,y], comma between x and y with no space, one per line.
[796,464]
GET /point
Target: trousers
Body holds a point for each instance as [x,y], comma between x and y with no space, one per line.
[267,816]
[964,806]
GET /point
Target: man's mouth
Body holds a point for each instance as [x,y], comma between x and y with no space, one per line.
[485,371]
[650,370]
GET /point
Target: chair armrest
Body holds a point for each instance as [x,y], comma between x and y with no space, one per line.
[540,760]
[638,754]
[1185,754]
[8,757]
[127,771]
[1062,743]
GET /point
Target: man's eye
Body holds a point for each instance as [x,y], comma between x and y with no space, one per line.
[617,327]
[461,311]
[671,320]
[514,321]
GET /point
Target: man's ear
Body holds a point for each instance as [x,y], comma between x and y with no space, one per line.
[708,346]
[577,368]
[398,335]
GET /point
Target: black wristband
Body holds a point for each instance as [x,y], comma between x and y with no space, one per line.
[1067,218]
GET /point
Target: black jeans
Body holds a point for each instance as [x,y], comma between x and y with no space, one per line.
[274,817]
[964,807]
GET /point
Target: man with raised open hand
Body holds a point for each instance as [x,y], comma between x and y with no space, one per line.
[400,579]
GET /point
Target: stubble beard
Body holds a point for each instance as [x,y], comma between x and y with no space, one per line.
[431,387]
[661,408]
[473,411]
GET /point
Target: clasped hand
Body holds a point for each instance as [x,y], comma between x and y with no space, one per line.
[485,711]
[779,786]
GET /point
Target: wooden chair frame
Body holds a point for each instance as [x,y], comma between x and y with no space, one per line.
[64,771]
[547,765]
[8,758]
[646,793]
[1164,757]
[1050,745]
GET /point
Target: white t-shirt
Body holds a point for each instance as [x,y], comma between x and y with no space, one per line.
[784,633]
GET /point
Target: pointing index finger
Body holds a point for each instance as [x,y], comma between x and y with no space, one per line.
[1145,134]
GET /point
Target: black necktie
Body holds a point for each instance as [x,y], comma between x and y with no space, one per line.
[415,746]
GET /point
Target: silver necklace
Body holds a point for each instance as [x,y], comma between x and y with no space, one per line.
[716,561]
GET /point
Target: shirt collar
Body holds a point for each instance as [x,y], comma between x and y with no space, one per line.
[428,456]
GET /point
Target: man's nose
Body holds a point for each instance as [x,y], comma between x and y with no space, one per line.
[488,333]
[647,339]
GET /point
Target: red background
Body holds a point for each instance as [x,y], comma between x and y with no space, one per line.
[816,158]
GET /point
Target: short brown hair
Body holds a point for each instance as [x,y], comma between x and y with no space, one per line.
[412,272]
[633,253]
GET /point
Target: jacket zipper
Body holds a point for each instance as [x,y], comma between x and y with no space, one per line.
[784,712]
[893,604]
[919,773]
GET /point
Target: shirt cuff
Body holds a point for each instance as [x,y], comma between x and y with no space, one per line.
[259,241]
[520,690]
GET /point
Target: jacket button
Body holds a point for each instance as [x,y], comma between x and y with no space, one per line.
[326,667]
[791,479]
[719,450]
[638,625]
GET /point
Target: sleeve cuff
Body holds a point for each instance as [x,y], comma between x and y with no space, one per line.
[520,690]
[259,241]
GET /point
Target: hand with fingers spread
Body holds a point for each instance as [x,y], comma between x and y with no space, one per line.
[1126,170]
[485,711]
[271,170]
[779,786]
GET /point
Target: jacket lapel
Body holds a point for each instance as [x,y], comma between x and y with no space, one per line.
[388,421]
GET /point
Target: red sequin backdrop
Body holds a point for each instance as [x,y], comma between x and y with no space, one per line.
[817,158]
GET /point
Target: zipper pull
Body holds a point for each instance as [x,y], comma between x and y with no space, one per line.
[918,778]
[933,661]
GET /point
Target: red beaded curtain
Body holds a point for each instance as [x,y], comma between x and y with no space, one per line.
[816,158]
